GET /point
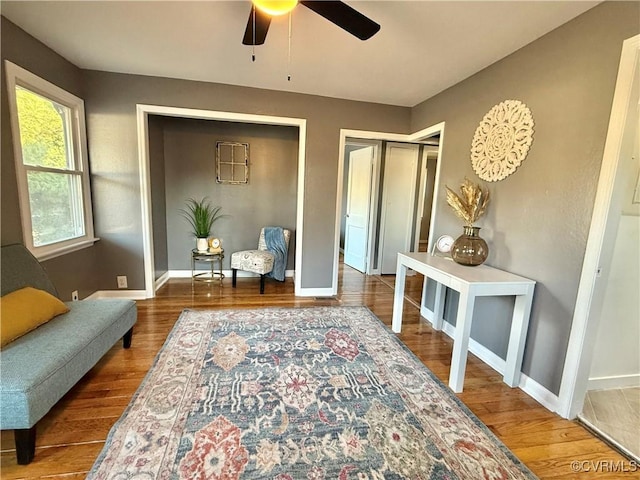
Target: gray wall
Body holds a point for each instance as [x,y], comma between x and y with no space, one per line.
[110,102]
[111,117]
[268,199]
[75,271]
[538,220]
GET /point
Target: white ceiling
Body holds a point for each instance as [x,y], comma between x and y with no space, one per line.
[422,48]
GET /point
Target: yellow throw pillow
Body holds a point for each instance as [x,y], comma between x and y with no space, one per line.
[25,309]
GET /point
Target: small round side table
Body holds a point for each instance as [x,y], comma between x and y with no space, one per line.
[207,257]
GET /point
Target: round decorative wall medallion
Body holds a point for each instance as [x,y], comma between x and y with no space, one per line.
[502,140]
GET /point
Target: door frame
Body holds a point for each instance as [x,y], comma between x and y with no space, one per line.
[575,374]
[416,137]
[142,118]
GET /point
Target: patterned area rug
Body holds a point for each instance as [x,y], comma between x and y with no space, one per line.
[296,393]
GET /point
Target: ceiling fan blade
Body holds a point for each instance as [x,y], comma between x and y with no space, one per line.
[345,17]
[262,22]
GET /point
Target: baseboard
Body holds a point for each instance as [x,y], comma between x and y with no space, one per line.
[479,350]
[529,386]
[539,393]
[126,294]
[164,278]
[424,311]
[618,381]
[226,273]
[315,292]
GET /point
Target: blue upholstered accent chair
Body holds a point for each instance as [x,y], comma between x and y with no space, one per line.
[260,261]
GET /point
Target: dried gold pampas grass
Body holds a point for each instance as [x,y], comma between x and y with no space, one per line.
[471,205]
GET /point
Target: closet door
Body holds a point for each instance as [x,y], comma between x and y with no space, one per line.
[358,207]
[398,200]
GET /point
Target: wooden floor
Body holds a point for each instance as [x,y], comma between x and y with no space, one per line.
[70,437]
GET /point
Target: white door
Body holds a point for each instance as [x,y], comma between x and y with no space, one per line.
[356,235]
[398,198]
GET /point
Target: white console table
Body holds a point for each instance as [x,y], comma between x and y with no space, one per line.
[470,282]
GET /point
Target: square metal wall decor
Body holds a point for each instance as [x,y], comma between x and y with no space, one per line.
[232,162]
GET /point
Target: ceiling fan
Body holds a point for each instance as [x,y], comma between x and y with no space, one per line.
[336,12]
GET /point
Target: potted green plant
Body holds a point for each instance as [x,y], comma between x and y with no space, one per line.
[201,215]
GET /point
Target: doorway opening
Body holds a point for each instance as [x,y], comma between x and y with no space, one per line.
[612,403]
[358,222]
[386,202]
[602,353]
[143,113]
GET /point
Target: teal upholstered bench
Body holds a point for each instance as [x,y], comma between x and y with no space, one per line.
[39,368]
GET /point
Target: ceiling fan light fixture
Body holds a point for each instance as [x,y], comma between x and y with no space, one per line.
[275,7]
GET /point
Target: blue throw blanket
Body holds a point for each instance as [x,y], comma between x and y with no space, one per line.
[276,244]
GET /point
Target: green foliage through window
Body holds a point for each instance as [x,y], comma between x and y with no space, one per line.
[43,125]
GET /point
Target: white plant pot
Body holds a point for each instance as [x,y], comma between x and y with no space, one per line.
[202,244]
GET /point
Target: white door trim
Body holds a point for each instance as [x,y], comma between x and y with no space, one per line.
[416,137]
[143,112]
[575,375]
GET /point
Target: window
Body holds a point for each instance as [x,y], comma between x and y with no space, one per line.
[49,140]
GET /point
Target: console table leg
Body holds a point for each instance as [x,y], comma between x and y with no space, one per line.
[518,337]
[438,306]
[461,340]
[398,297]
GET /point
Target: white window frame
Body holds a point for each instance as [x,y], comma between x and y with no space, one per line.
[18,76]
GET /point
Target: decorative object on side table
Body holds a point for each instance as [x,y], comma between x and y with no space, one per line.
[502,140]
[443,246]
[201,215]
[469,248]
[215,245]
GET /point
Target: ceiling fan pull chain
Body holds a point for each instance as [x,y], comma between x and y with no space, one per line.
[253,46]
[289,55]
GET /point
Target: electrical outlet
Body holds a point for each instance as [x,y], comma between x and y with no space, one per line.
[122,281]
[74,295]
